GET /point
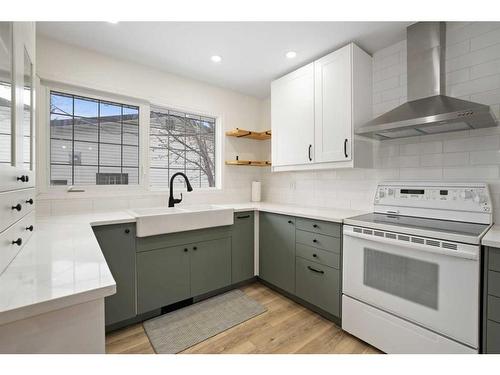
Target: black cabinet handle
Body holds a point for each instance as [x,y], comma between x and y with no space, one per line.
[127,231]
[315,256]
[17,207]
[315,270]
[23,178]
[195,248]
[315,240]
[18,242]
[30,228]
[30,201]
[185,250]
[290,222]
[315,225]
[309,152]
[243,217]
[345,147]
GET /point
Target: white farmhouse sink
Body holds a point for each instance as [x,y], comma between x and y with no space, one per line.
[162,220]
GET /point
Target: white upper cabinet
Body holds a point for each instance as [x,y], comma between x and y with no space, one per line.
[292,118]
[323,123]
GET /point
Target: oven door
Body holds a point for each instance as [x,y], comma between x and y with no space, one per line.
[434,287]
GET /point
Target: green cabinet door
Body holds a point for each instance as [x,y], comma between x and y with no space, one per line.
[163,277]
[117,243]
[210,265]
[277,250]
[242,253]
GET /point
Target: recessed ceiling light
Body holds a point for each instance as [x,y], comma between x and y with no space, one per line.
[291,54]
[216,58]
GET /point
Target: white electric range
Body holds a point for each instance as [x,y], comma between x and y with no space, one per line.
[411,269]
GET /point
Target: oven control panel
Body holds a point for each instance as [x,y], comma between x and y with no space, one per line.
[452,197]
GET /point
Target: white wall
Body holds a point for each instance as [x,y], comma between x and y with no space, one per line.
[73,66]
[473,73]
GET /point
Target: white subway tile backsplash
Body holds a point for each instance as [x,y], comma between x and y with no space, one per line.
[484,40]
[485,69]
[485,157]
[455,159]
[471,173]
[472,143]
[386,84]
[431,160]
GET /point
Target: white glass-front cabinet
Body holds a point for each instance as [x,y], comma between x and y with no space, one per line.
[17,51]
[315,110]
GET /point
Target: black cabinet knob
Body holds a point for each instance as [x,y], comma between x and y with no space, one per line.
[315,240]
[195,248]
[17,207]
[185,250]
[127,231]
[18,242]
[30,228]
[315,256]
[315,225]
[290,222]
[30,201]
[23,178]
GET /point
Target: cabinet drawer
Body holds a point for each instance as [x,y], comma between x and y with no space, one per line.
[494,308]
[14,178]
[317,226]
[494,283]
[17,232]
[494,259]
[318,285]
[327,258]
[14,205]
[493,337]
[318,240]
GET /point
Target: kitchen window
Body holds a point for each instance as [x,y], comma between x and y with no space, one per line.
[92,141]
[182,142]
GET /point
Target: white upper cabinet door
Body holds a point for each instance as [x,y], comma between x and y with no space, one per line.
[292,118]
[333,106]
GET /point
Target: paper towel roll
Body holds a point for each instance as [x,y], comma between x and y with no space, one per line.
[255,191]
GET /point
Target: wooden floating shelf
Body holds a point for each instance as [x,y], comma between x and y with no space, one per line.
[241,133]
[250,163]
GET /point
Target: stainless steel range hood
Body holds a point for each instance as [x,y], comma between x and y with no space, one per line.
[428,110]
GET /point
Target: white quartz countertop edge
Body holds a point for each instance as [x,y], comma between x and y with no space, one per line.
[492,237]
[62,264]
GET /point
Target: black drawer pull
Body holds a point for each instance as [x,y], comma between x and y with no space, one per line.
[127,231]
[195,248]
[315,255]
[290,222]
[243,217]
[18,242]
[345,147]
[23,178]
[185,250]
[315,240]
[30,201]
[17,207]
[309,153]
[315,270]
[315,225]
[30,228]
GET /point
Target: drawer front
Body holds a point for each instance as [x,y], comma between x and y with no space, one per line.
[494,259]
[14,205]
[327,258]
[494,283]
[318,285]
[13,178]
[321,227]
[493,337]
[494,308]
[318,240]
[17,232]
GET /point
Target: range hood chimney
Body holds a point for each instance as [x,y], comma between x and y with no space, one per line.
[428,110]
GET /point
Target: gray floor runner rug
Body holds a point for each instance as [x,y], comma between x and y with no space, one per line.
[173,332]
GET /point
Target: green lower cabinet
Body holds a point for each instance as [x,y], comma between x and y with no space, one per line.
[319,285]
[277,250]
[163,277]
[210,265]
[117,243]
[242,253]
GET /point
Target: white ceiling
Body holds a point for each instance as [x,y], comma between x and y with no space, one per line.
[253,53]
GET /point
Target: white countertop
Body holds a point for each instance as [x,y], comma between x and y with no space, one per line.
[62,264]
[492,237]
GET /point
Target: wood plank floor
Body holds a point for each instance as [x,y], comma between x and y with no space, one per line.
[286,327]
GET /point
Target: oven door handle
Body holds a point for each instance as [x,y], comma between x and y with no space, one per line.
[415,246]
